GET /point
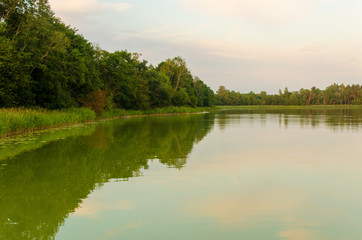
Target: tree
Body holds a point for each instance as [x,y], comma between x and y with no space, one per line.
[15,81]
[180,78]
[222,96]
[174,69]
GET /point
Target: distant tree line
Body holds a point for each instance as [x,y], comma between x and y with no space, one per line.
[333,95]
[45,63]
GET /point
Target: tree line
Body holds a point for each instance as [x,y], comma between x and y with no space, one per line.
[333,95]
[45,63]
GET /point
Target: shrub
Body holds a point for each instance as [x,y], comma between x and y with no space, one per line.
[96,100]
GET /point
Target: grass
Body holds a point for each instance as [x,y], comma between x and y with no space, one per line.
[19,120]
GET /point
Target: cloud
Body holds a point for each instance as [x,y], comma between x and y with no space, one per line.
[235,210]
[265,11]
[161,29]
[86,6]
[113,233]
[92,208]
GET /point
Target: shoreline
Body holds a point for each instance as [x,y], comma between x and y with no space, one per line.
[288,107]
[118,113]
[24,127]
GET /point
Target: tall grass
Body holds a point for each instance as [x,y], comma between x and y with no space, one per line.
[15,120]
[18,120]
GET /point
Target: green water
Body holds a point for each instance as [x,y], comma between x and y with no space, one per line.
[292,174]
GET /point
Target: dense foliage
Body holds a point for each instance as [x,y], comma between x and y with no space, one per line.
[45,63]
[332,95]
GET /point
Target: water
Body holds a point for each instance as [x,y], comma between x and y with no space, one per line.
[225,175]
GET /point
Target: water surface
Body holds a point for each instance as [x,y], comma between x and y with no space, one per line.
[234,174]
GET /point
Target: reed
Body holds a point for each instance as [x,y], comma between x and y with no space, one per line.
[17,120]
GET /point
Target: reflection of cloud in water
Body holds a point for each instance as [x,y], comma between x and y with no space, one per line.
[284,207]
[112,233]
[92,208]
[246,210]
[299,234]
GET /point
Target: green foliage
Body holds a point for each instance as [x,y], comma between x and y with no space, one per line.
[181,98]
[15,82]
[332,95]
[45,63]
[160,89]
[187,90]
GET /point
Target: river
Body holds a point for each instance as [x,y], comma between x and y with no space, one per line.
[233,174]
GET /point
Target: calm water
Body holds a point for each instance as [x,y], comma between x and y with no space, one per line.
[226,175]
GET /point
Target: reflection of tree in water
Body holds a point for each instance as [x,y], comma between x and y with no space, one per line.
[338,118]
[39,188]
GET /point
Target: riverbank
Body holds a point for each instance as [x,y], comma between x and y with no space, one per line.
[168,110]
[14,121]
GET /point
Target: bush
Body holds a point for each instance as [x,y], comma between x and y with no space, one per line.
[96,100]
[357,101]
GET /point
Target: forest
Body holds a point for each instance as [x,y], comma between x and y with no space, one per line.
[45,63]
[333,95]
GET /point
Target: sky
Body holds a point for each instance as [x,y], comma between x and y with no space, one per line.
[241,44]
